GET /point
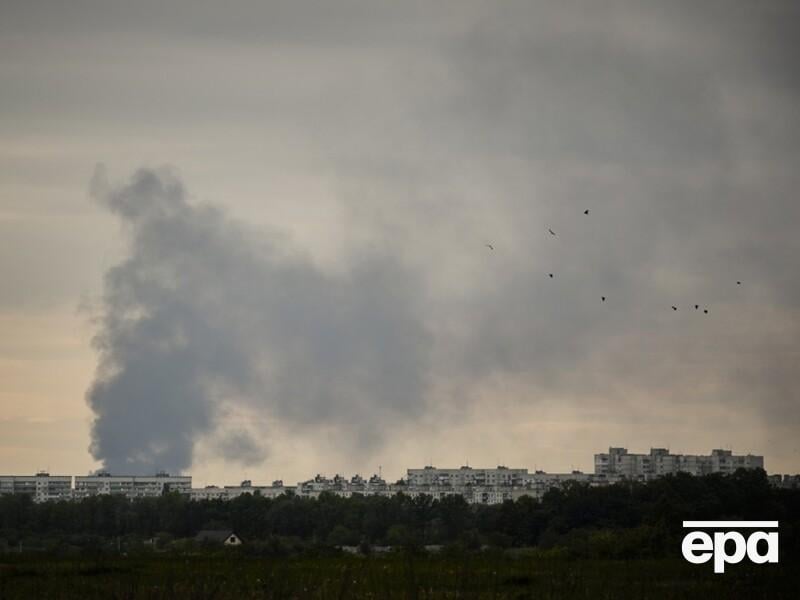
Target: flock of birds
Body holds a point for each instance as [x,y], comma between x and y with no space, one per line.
[603,298]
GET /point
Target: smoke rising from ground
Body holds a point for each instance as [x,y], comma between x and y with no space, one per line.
[205,313]
[207,318]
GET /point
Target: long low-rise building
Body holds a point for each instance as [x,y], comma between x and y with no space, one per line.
[467,475]
[132,486]
[42,486]
[660,462]
[229,492]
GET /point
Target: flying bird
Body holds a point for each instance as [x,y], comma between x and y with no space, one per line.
[705,310]
[674,308]
[603,298]
[551,232]
[738,283]
[551,275]
[490,247]
[586,212]
[696,306]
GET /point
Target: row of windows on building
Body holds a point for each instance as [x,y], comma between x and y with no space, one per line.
[44,487]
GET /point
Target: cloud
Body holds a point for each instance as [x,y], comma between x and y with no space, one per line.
[238,445]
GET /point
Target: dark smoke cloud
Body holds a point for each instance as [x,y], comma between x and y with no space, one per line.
[205,313]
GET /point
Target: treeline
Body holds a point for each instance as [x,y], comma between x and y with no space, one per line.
[626,520]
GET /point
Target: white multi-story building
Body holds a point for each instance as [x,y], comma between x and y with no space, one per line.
[229,492]
[42,486]
[502,476]
[619,462]
[724,461]
[132,486]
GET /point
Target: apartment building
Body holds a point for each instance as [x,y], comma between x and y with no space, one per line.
[131,486]
[659,462]
[466,475]
[229,492]
[42,486]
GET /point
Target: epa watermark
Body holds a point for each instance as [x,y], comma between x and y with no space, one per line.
[759,546]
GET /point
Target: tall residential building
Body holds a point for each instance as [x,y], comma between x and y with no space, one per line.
[132,486]
[619,462]
[42,486]
[501,476]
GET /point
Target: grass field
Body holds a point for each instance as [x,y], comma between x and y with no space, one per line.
[392,576]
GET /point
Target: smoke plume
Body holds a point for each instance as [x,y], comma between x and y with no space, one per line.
[206,314]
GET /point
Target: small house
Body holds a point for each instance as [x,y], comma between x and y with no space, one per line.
[218,536]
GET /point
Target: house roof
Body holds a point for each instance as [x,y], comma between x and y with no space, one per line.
[214,535]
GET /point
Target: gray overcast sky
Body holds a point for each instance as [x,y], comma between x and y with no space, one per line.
[285,270]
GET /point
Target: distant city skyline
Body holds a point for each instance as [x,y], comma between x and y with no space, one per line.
[617,462]
[478,485]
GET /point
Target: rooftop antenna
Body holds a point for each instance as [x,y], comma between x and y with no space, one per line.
[380,472]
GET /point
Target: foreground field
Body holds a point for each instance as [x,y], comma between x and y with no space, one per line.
[393,576]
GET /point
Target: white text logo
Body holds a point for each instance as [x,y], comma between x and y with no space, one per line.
[699,547]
